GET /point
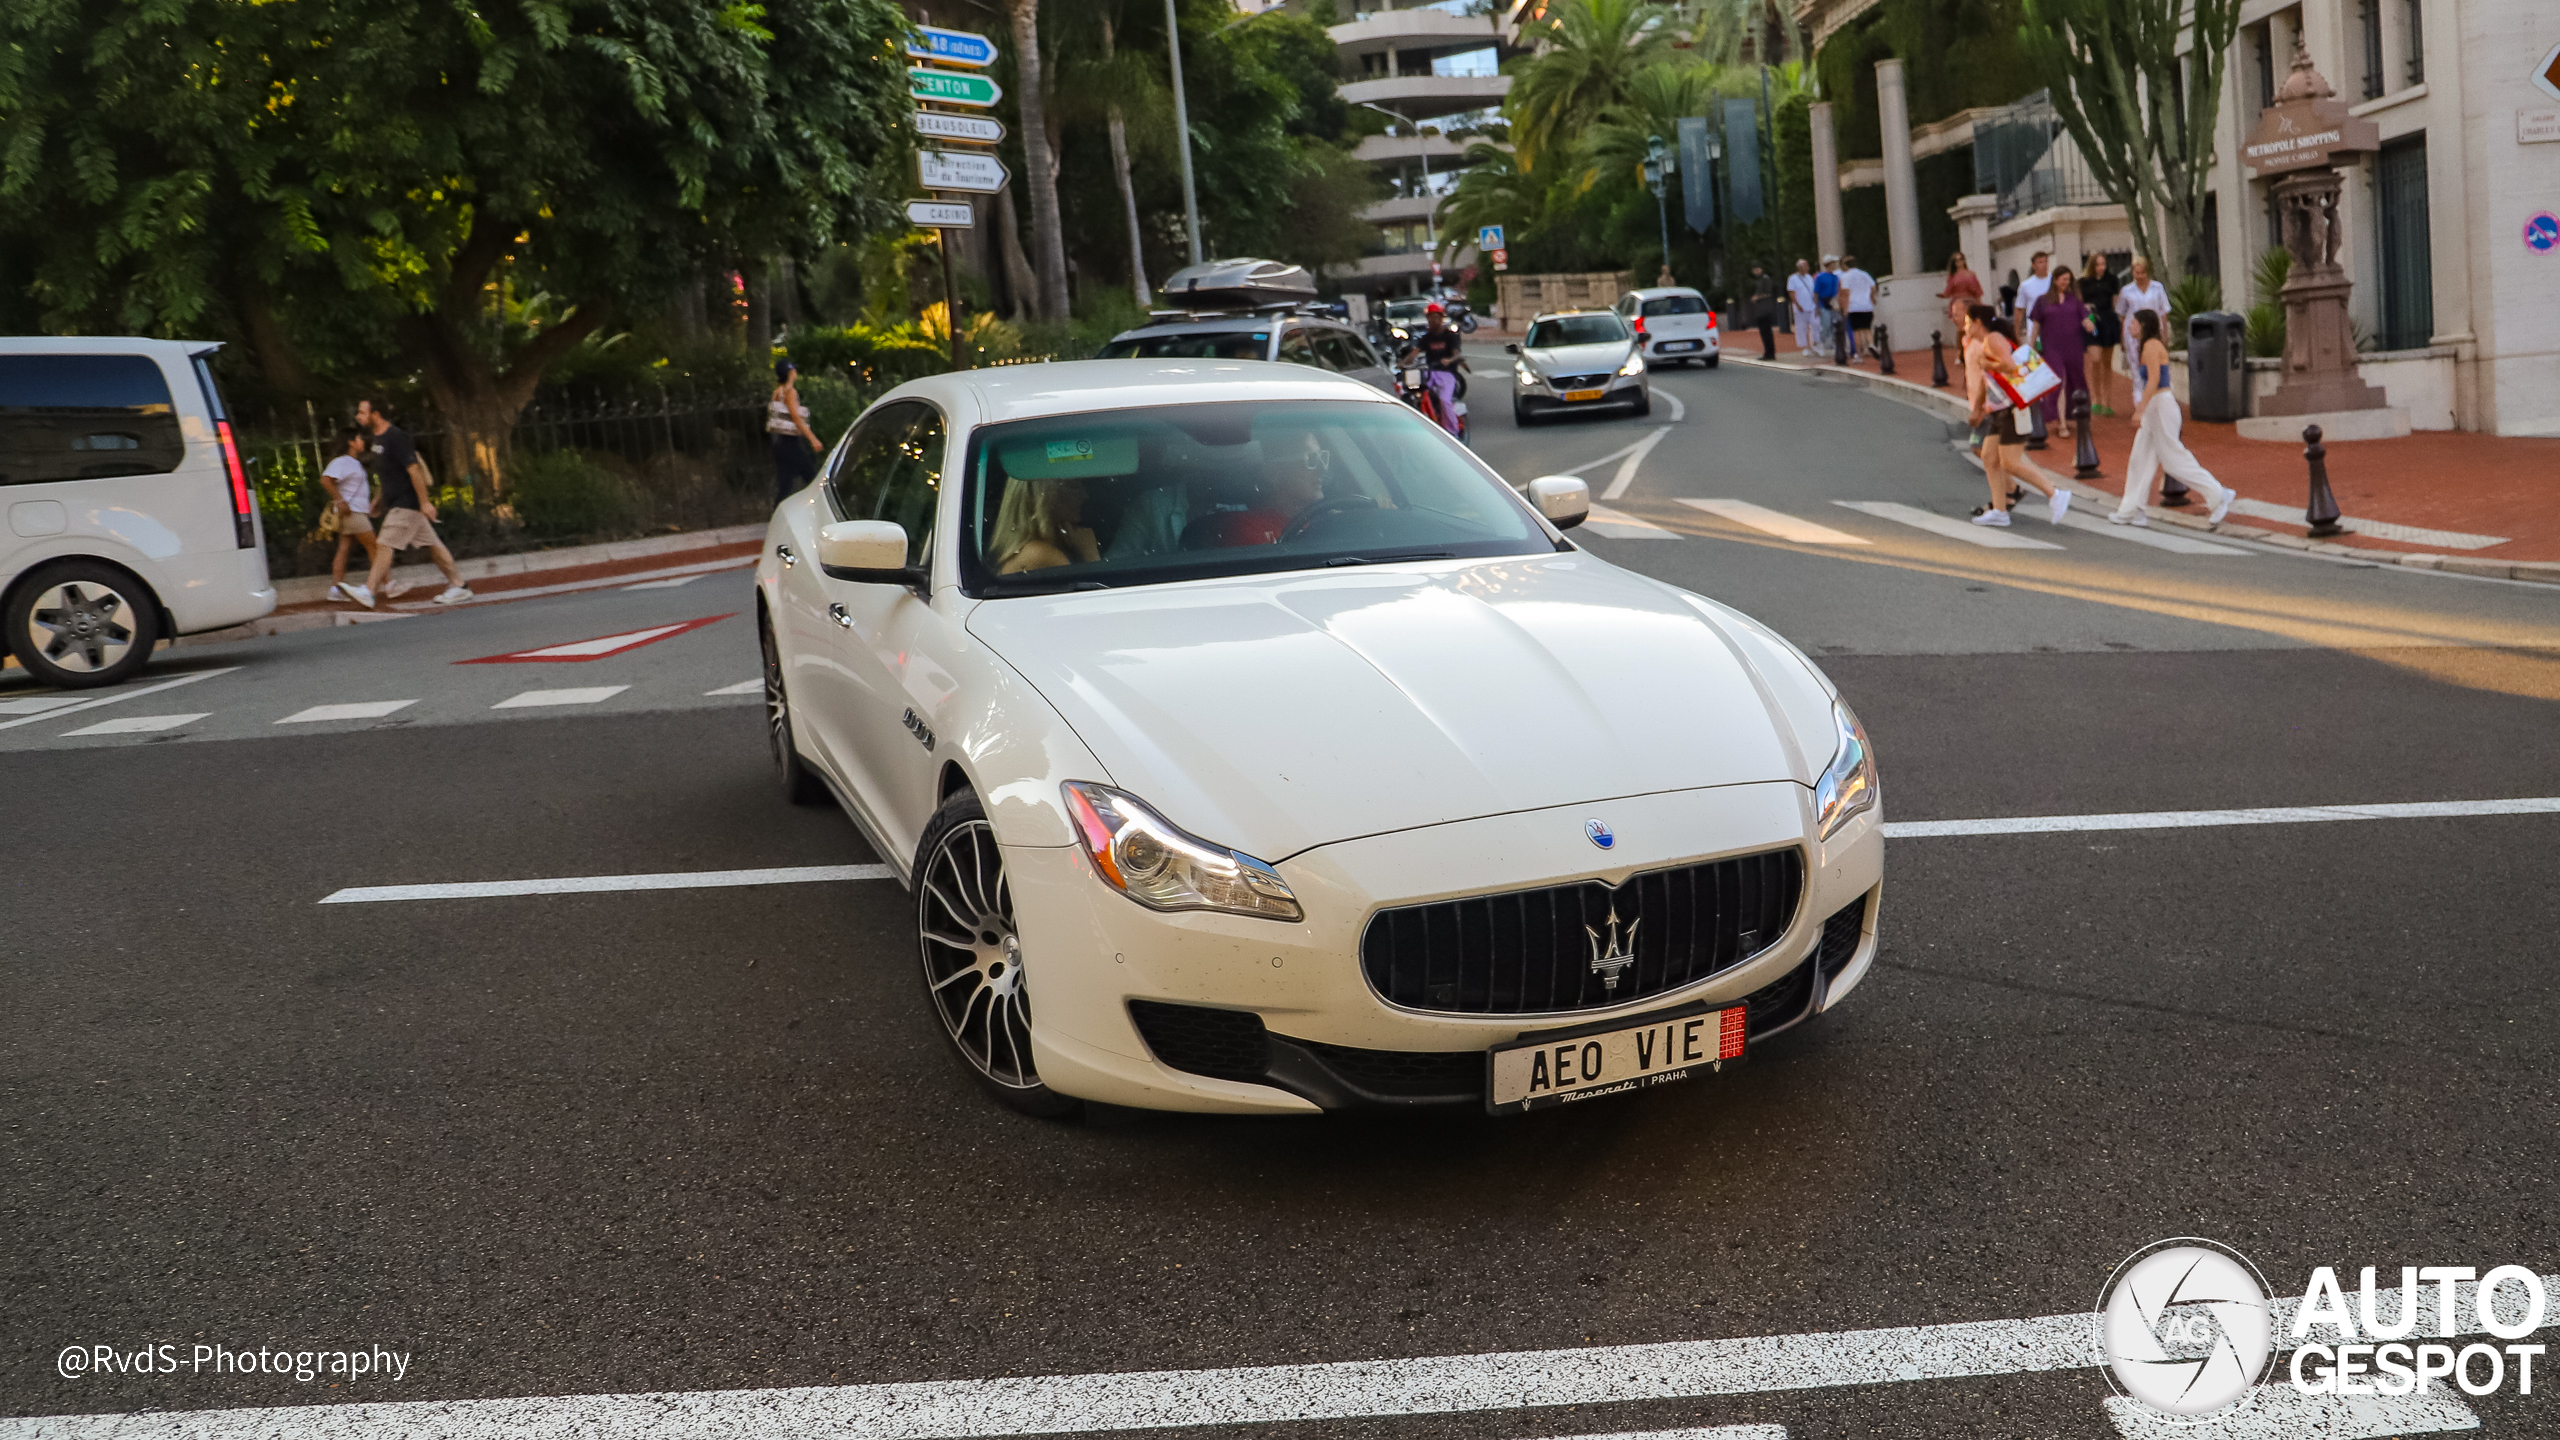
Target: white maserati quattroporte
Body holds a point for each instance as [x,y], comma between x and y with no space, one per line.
[1249,746]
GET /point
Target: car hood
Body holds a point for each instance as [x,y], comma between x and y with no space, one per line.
[1579,359]
[1278,713]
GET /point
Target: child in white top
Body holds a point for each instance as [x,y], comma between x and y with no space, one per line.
[351,500]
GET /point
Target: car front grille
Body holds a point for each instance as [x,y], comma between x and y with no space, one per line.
[1579,382]
[1552,950]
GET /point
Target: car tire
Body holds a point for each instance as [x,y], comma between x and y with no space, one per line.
[800,784]
[964,929]
[1522,415]
[1710,361]
[81,624]
[1644,403]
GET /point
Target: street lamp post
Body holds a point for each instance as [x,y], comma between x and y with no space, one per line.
[1658,163]
[1422,152]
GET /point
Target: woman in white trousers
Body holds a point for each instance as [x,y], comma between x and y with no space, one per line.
[2156,446]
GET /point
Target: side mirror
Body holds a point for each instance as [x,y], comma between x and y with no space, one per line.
[870,552]
[1563,499]
[1511,349]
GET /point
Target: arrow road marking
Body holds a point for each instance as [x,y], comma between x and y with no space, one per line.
[597,648]
[1635,454]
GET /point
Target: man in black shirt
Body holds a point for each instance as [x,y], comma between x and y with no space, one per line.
[406,502]
[1443,356]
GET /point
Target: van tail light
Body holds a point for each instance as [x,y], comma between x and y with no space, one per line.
[244,520]
[1711,319]
[1639,324]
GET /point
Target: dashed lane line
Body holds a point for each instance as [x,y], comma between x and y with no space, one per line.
[1619,525]
[137,724]
[743,687]
[2196,819]
[353,710]
[528,592]
[115,698]
[594,884]
[2280,1412]
[1989,537]
[36,704]
[1774,522]
[580,695]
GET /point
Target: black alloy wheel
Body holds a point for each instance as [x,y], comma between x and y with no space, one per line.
[973,968]
[800,784]
[81,624]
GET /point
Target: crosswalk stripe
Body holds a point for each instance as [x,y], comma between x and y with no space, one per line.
[597,884]
[2280,1412]
[2379,529]
[1964,530]
[585,695]
[115,697]
[1619,525]
[1778,523]
[353,710]
[2169,540]
[743,687]
[669,584]
[136,724]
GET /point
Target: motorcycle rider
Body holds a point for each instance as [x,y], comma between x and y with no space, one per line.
[1443,356]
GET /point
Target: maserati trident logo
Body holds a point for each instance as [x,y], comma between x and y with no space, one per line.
[1599,834]
[1611,960]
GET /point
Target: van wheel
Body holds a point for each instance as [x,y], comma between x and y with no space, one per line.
[1710,361]
[80,624]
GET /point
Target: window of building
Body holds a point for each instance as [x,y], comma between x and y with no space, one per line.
[2408,311]
[2417,41]
[2369,13]
[2262,46]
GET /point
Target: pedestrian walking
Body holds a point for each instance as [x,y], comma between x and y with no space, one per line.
[1826,294]
[1963,292]
[1764,310]
[2009,295]
[2139,293]
[2156,445]
[351,502]
[2063,328]
[795,445]
[1989,369]
[2098,287]
[1857,303]
[1801,303]
[405,500]
[2031,290]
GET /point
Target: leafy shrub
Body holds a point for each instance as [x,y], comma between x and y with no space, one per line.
[865,355]
[2193,295]
[2266,315]
[833,402]
[562,493]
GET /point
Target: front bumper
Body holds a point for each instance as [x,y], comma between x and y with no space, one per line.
[1251,1016]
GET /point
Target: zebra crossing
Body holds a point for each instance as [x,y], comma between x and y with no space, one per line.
[37,709]
[1615,524]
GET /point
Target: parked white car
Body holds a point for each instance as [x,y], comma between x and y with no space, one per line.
[129,513]
[1247,745]
[1674,325]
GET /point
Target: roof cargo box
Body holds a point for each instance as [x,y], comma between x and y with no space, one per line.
[1239,285]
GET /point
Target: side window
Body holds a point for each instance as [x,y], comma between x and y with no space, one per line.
[1298,347]
[85,417]
[1344,351]
[891,469]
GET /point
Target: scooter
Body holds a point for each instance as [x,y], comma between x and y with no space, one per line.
[1413,387]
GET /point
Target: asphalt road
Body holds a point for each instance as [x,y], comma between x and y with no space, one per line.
[708,1140]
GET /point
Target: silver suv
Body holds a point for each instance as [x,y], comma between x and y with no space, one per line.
[1577,360]
[1297,338]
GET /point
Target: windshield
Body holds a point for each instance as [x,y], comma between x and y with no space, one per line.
[1187,492]
[1575,330]
[1407,309]
[1675,305]
[1211,345]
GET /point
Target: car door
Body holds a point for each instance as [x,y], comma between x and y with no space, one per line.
[1298,347]
[821,678]
[888,638]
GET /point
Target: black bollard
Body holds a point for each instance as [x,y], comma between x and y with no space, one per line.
[2085,459]
[2174,491]
[1884,350]
[2322,513]
[2036,436]
[1840,338]
[1937,362]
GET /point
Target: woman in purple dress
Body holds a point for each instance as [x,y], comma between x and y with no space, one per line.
[2062,331]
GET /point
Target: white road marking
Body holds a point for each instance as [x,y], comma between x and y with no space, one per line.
[1618,454]
[586,695]
[58,711]
[699,568]
[2379,529]
[594,884]
[743,687]
[354,710]
[2280,1412]
[2193,819]
[1619,525]
[2177,542]
[601,645]
[1953,529]
[668,584]
[1679,412]
[1255,1395]
[1626,475]
[1773,522]
[36,704]
[1712,1432]
[136,724]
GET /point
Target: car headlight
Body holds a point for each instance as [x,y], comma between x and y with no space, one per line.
[1524,374]
[1848,787]
[1163,867]
[1634,365]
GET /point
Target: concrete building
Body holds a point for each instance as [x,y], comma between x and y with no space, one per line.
[2460,299]
[1433,68]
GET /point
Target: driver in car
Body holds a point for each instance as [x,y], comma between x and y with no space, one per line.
[1295,466]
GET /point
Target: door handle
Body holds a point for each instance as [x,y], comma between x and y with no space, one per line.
[784,553]
[840,615]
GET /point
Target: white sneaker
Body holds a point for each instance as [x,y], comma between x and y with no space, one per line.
[361,596]
[2137,518]
[1998,519]
[2221,506]
[394,589]
[2059,505]
[454,595]
[339,592]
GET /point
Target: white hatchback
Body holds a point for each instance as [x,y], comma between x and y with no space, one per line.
[129,514]
[1248,745]
[1674,325]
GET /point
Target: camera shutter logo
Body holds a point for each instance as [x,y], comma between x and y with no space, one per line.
[2183,1329]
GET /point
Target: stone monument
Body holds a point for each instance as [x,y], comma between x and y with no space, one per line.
[2299,138]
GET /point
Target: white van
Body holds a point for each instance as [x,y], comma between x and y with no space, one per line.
[129,514]
[1676,324]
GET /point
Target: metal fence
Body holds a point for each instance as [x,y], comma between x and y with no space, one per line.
[2022,154]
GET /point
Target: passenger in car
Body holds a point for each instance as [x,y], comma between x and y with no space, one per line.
[1151,523]
[1039,526]
[1295,467]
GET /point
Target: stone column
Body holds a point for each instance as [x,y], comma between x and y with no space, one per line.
[1974,215]
[1829,233]
[1901,183]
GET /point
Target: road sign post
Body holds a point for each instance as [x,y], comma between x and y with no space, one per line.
[1489,238]
[940,215]
[968,170]
[960,129]
[952,87]
[952,47]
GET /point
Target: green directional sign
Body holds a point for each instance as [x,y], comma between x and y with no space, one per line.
[950,87]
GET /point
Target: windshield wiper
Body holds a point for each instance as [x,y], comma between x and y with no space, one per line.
[1391,559]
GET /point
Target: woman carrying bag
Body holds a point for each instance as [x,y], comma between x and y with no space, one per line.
[2156,446]
[1992,374]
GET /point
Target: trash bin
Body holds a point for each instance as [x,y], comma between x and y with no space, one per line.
[2217,366]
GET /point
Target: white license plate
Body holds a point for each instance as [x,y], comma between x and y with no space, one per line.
[1562,1067]
[1669,346]
[1584,394]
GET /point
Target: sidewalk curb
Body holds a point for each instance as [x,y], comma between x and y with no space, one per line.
[1893,387]
[303,589]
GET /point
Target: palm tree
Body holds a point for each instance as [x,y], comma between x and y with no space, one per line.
[1657,98]
[1094,79]
[1040,161]
[1492,190]
[1589,53]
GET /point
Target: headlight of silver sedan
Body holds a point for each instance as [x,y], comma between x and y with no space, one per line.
[1635,363]
[1848,786]
[1163,867]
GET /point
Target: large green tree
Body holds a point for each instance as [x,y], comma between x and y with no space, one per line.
[280,172]
[1590,53]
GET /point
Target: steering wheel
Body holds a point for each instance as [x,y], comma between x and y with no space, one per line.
[1330,505]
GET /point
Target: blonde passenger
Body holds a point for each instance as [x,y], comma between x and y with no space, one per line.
[1038,526]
